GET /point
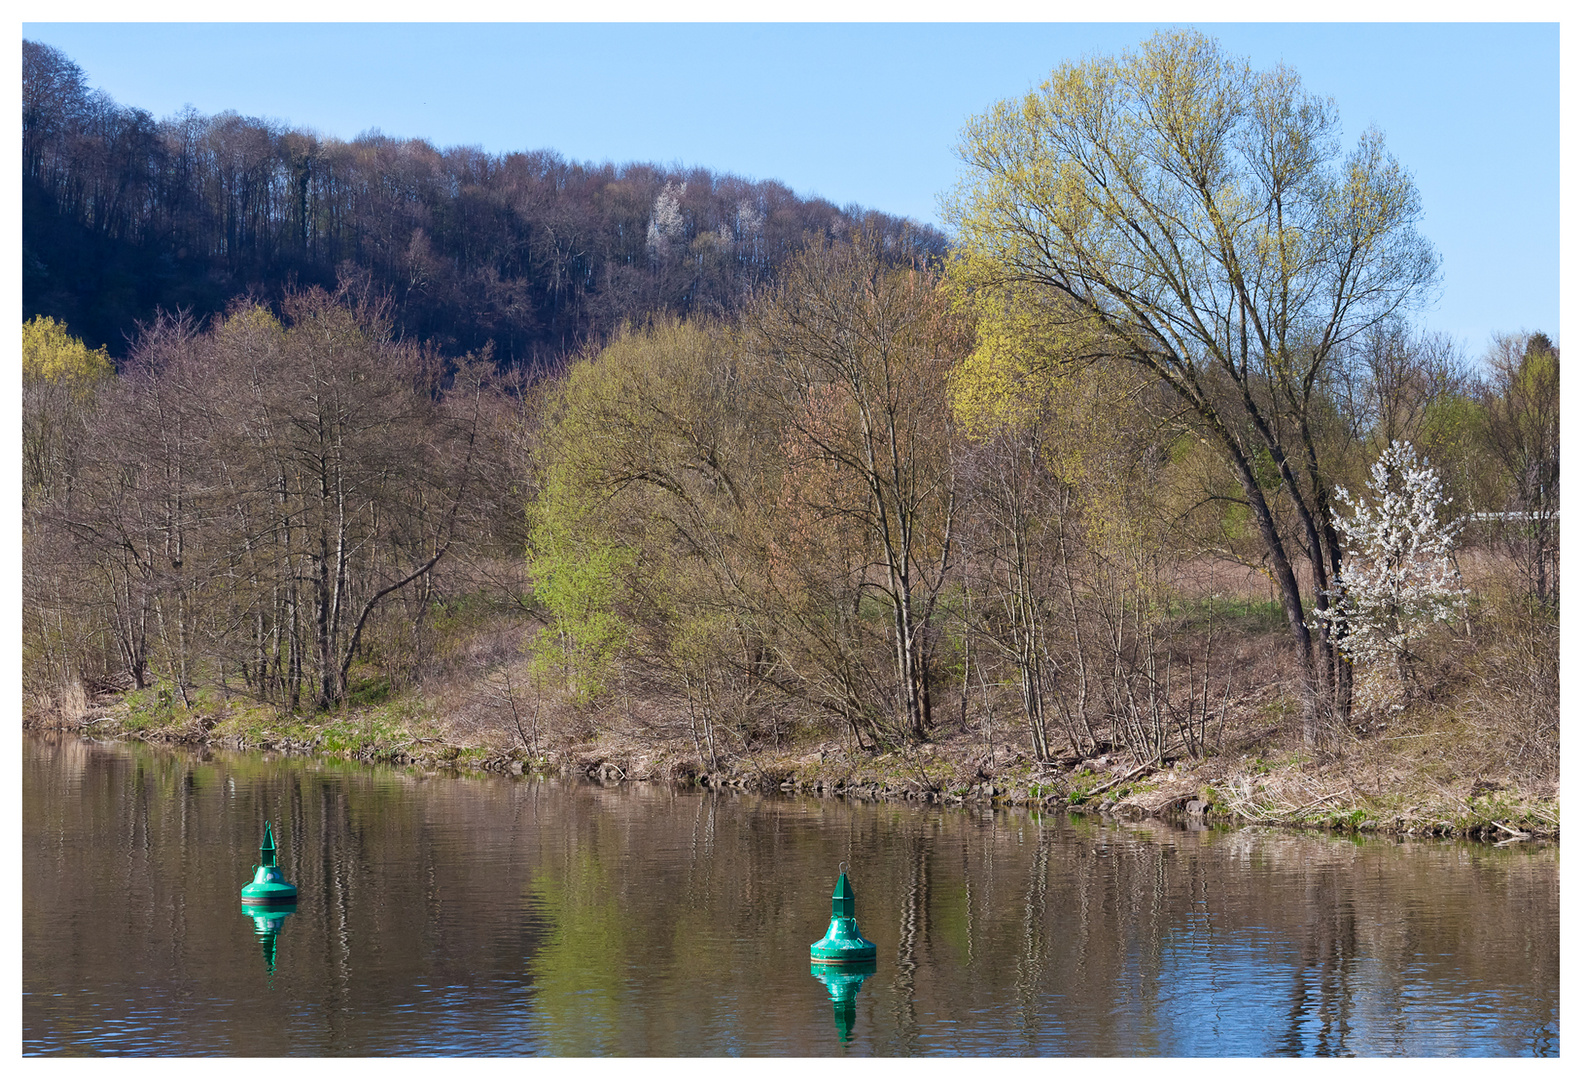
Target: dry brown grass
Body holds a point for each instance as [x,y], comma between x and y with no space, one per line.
[57,706]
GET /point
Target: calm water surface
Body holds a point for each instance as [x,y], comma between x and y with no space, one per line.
[446,916]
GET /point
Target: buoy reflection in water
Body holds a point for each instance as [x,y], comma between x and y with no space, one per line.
[267,921]
[843,982]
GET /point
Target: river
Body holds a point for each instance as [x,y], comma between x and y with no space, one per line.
[466,916]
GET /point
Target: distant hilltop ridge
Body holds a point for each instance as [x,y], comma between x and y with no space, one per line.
[125,215]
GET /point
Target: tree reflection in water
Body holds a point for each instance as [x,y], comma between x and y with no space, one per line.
[494,916]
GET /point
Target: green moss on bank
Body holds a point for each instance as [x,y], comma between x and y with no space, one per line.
[1285,788]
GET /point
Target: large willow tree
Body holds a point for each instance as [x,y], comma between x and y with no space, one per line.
[1178,210]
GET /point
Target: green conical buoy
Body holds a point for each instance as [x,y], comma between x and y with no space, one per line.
[269,885]
[842,943]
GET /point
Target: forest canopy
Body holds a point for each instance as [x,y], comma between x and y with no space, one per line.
[125,214]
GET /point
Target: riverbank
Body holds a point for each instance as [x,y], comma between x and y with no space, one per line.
[1401,784]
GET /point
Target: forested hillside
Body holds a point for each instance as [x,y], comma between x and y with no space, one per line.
[125,214]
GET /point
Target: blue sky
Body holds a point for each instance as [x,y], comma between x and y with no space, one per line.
[870,113]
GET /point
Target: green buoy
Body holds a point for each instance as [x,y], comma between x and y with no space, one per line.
[842,943]
[269,886]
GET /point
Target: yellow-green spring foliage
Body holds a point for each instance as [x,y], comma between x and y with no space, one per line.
[51,354]
[61,380]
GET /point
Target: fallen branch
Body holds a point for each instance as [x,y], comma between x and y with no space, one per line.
[1316,802]
[1242,806]
[1102,788]
[1543,817]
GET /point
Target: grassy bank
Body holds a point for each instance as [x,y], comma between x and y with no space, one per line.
[1408,782]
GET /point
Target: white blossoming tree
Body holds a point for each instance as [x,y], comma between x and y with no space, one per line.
[1397,578]
[667,227]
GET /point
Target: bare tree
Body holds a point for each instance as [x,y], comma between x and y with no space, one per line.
[856,353]
[1521,400]
[256,494]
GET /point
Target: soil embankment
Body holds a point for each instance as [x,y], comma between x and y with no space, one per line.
[1393,785]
